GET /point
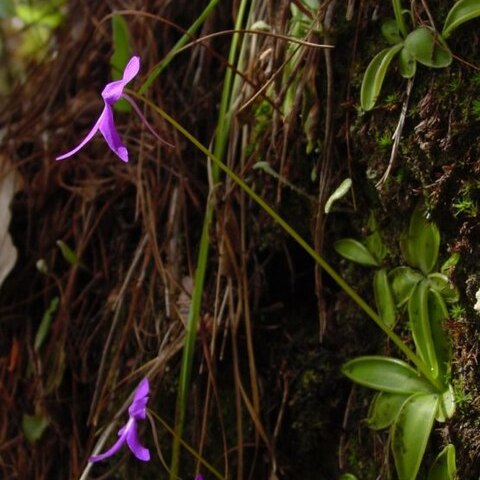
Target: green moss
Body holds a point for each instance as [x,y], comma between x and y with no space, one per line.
[476,109]
[457,311]
[384,141]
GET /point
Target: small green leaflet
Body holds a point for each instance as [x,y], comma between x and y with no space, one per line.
[44,327]
[33,426]
[339,193]
[68,254]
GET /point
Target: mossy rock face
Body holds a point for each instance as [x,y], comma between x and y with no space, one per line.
[438,160]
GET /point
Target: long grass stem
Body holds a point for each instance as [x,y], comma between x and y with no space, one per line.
[221,139]
[186,37]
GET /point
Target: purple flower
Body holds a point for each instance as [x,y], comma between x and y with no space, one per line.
[128,433]
[112,92]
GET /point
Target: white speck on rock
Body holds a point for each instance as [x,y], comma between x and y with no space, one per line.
[477,305]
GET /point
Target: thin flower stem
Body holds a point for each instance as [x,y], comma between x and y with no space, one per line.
[305,245]
[145,121]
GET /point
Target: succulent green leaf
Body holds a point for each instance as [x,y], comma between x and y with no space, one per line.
[446,405]
[403,281]
[418,314]
[348,476]
[384,298]
[428,48]
[450,263]
[33,426]
[438,315]
[410,433]
[441,283]
[391,32]
[407,65]
[355,251]
[461,12]
[384,409]
[386,375]
[422,242]
[444,467]
[44,327]
[68,254]
[374,242]
[374,76]
[339,193]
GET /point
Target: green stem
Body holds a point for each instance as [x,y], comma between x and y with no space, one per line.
[223,125]
[305,245]
[189,343]
[221,138]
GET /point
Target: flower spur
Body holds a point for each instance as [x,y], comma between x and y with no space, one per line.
[129,433]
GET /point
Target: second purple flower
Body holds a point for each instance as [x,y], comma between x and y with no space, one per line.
[129,433]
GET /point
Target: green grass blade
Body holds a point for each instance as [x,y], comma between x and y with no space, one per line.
[224,116]
[190,342]
[221,138]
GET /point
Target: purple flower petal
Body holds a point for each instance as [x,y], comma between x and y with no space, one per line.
[131,70]
[134,444]
[137,411]
[89,136]
[113,90]
[142,390]
[138,407]
[113,449]
[109,132]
